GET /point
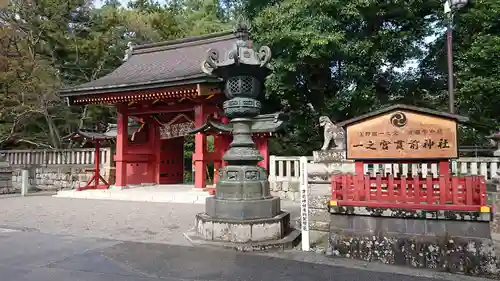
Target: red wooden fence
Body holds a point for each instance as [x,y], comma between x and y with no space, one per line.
[414,193]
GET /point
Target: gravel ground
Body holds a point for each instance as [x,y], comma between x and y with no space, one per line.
[120,220]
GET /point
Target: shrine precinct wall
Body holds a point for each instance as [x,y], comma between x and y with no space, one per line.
[55,169]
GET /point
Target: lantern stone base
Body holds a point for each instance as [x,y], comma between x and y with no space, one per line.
[242,209]
[244,235]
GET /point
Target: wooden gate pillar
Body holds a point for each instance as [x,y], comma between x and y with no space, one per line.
[121,146]
[200,148]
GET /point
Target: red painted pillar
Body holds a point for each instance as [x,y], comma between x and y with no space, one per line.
[121,146]
[262,146]
[200,149]
[444,168]
[359,168]
[154,144]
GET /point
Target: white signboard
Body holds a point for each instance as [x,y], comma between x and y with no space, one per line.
[170,131]
[304,204]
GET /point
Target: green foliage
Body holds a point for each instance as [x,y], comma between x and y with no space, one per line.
[477,45]
[476,38]
[340,58]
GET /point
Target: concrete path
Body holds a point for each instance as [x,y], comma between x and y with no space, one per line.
[33,256]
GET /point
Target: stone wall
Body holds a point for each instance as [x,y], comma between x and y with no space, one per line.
[461,246]
[494,200]
[54,178]
[286,190]
[319,217]
[6,180]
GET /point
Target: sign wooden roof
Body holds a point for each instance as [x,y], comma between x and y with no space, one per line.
[425,111]
[158,65]
[402,132]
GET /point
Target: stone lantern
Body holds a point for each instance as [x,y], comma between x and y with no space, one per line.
[242,210]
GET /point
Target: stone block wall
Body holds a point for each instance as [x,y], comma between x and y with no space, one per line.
[286,190]
[6,180]
[495,223]
[55,178]
[494,199]
[319,217]
[458,246]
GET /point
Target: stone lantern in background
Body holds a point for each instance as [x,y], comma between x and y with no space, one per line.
[243,210]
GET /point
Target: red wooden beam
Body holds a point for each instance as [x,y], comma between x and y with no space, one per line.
[162,109]
[172,108]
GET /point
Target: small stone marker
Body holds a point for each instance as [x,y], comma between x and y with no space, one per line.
[25,182]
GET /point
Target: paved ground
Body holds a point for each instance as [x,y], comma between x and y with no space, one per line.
[119,220]
[75,239]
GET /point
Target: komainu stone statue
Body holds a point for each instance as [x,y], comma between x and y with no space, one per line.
[332,132]
[494,139]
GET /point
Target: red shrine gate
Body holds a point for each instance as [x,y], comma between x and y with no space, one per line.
[162,86]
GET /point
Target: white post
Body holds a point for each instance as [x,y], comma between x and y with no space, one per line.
[272,172]
[25,182]
[304,205]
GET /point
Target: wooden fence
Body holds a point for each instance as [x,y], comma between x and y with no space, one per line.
[456,193]
[287,168]
[55,157]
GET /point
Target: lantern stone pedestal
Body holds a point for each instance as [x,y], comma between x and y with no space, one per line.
[243,215]
[245,235]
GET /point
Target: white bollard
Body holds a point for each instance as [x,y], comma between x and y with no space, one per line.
[25,182]
[304,204]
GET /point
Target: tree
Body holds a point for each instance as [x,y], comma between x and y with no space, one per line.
[340,58]
[477,49]
[38,29]
[476,38]
[27,92]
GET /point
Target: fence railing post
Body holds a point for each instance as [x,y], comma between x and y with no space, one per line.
[44,158]
[272,172]
[304,203]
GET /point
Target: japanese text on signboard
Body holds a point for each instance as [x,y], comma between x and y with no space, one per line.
[402,135]
[424,139]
